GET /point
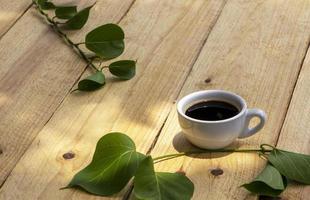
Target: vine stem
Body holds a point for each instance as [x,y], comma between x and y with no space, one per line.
[175,155]
[61,34]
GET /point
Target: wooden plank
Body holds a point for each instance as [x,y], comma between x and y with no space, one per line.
[295,133]
[137,107]
[37,70]
[10,12]
[256,50]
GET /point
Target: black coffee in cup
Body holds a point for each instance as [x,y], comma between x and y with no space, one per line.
[212,110]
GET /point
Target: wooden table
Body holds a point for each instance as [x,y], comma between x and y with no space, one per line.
[256,48]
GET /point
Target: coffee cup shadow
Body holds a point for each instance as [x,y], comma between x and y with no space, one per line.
[181,144]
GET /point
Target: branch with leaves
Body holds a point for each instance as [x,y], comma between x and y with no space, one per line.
[106,42]
[116,162]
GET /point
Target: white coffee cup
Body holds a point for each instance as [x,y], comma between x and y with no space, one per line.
[221,133]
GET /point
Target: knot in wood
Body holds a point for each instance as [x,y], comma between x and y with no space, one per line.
[217,172]
[68,155]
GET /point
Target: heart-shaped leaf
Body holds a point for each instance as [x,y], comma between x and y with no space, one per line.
[92,82]
[45,4]
[124,69]
[79,19]
[107,41]
[152,185]
[65,12]
[294,166]
[269,182]
[114,163]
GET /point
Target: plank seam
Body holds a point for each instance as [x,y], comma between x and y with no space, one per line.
[17,19]
[129,191]
[188,73]
[127,11]
[200,49]
[62,100]
[158,134]
[307,49]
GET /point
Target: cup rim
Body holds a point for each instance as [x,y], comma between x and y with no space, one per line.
[181,102]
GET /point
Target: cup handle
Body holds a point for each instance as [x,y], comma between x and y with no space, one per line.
[250,113]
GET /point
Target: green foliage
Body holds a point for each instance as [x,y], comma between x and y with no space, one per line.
[92,82]
[152,185]
[114,163]
[124,69]
[45,4]
[65,12]
[116,156]
[78,20]
[116,160]
[269,182]
[282,165]
[107,41]
[294,166]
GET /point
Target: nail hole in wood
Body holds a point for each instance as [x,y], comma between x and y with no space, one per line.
[208,80]
[217,172]
[68,156]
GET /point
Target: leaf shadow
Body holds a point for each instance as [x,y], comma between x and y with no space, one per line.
[83,192]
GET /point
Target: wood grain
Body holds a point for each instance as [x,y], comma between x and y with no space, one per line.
[10,12]
[295,133]
[37,70]
[165,37]
[256,50]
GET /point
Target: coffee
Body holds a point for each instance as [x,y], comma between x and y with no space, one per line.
[212,110]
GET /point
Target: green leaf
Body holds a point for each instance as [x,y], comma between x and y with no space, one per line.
[45,4]
[107,41]
[269,182]
[65,12]
[92,82]
[114,163]
[79,19]
[152,185]
[294,166]
[124,69]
